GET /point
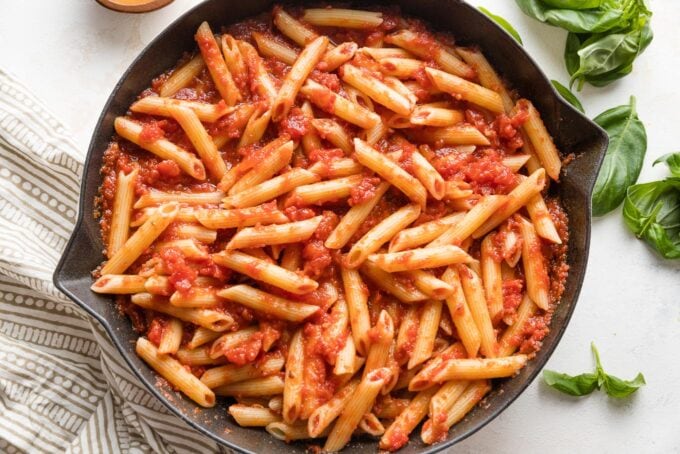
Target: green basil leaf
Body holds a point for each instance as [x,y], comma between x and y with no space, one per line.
[652,212]
[577,21]
[672,160]
[616,387]
[578,385]
[602,54]
[624,158]
[607,78]
[571,58]
[573,4]
[503,23]
[568,95]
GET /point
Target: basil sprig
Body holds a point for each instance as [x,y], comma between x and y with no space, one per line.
[568,95]
[672,160]
[605,36]
[507,26]
[652,210]
[584,384]
[624,158]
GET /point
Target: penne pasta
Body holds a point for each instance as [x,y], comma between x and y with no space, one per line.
[256,387]
[232,373]
[241,217]
[338,56]
[119,284]
[512,337]
[175,373]
[256,126]
[479,368]
[466,402]
[535,270]
[476,300]
[450,135]
[334,133]
[375,89]
[157,105]
[471,222]
[267,235]
[207,318]
[270,189]
[403,290]
[540,217]
[460,88]
[264,271]
[346,18]
[140,240]
[380,234]
[252,416]
[182,76]
[436,116]
[216,65]
[306,61]
[270,47]
[390,171]
[264,84]
[155,197]
[267,303]
[293,384]
[171,337]
[424,233]
[429,49]
[543,145]
[197,232]
[430,285]
[428,176]
[396,434]
[275,160]
[427,331]
[341,107]
[430,257]
[292,28]
[324,191]
[518,197]
[234,60]
[492,278]
[163,148]
[199,137]
[351,415]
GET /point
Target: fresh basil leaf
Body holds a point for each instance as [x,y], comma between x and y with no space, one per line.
[672,160]
[573,4]
[652,212]
[578,385]
[616,387]
[605,36]
[624,158]
[568,95]
[581,385]
[608,57]
[577,21]
[503,23]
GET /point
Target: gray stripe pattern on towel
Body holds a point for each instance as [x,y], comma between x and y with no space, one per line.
[63,385]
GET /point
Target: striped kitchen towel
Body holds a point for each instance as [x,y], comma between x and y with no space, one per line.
[63,385]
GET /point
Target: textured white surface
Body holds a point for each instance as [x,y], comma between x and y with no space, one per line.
[72,52]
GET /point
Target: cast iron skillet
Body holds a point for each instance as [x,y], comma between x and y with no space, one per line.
[572,132]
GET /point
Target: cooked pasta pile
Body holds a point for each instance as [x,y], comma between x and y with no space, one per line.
[337,219]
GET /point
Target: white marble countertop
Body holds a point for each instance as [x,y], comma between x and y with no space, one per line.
[71,53]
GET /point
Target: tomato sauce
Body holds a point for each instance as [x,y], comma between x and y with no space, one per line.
[480,169]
